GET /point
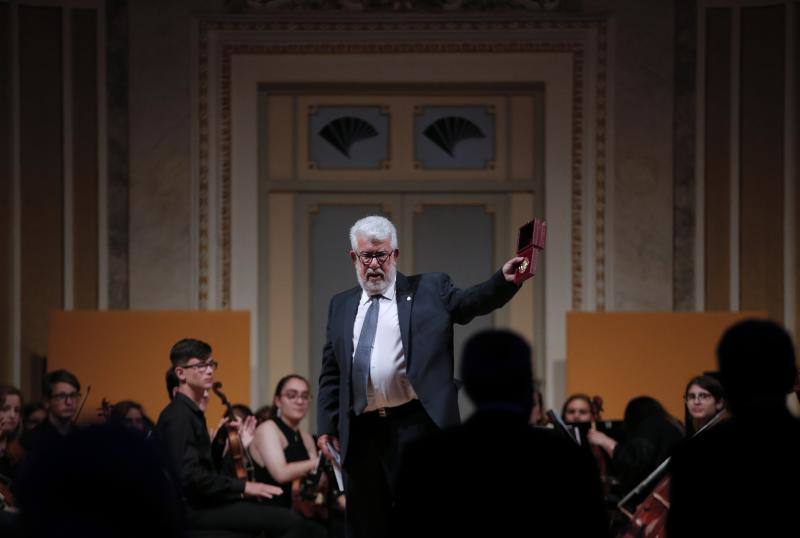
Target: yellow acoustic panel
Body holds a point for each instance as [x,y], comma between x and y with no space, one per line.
[124,355]
[623,355]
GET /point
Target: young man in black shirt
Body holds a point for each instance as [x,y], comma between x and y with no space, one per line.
[62,394]
[213,500]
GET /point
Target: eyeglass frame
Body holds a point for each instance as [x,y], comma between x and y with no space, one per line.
[64,396]
[293,395]
[374,256]
[701,397]
[202,365]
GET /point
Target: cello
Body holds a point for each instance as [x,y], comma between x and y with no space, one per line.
[241,460]
[600,456]
[648,518]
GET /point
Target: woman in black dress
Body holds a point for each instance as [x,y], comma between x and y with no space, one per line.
[281,449]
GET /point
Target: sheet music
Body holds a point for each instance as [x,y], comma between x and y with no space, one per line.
[337,466]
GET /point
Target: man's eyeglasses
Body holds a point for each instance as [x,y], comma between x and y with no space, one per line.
[64,396]
[213,365]
[367,257]
[294,395]
[701,397]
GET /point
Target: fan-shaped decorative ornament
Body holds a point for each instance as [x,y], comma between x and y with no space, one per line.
[343,132]
[447,132]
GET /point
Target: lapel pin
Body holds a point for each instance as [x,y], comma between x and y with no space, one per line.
[408,297]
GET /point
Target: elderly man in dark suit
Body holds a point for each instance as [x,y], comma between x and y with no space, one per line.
[387,367]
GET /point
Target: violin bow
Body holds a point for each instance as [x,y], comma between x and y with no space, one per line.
[85,397]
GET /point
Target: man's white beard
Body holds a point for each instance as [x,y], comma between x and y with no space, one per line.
[379,286]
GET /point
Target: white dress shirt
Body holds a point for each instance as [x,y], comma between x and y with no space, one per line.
[388,383]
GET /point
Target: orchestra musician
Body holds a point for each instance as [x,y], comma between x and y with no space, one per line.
[538,414]
[704,398]
[285,453]
[576,409]
[740,477]
[213,501]
[494,471]
[62,395]
[131,415]
[282,450]
[33,413]
[651,435]
[10,427]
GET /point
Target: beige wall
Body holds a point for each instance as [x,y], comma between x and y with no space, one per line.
[642,183]
[162,238]
[161,202]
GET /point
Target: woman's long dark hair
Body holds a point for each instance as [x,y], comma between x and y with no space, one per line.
[642,408]
[119,412]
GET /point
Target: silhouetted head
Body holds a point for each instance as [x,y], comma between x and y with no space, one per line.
[756,363]
[496,370]
[640,409]
[102,481]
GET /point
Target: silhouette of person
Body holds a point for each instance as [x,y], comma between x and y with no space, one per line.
[740,477]
[106,480]
[496,470]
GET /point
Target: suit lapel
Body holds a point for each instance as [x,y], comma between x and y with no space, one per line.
[351,310]
[404,296]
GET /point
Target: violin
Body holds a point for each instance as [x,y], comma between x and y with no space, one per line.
[6,497]
[310,493]
[15,454]
[105,409]
[241,461]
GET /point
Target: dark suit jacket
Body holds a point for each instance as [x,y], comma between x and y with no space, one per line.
[427,306]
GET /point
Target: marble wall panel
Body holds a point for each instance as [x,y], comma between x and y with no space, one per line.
[118,173]
[796,153]
[160,152]
[761,138]
[684,155]
[643,180]
[85,144]
[6,370]
[718,159]
[41,171]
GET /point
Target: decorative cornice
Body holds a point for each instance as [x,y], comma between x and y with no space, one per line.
[577,181]
[601,115]
[353,28]
[391,6]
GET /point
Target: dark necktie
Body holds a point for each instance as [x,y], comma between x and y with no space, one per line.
[362,356]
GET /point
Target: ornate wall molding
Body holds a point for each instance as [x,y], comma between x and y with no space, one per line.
[601,117]
[392,6]
[247,37]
